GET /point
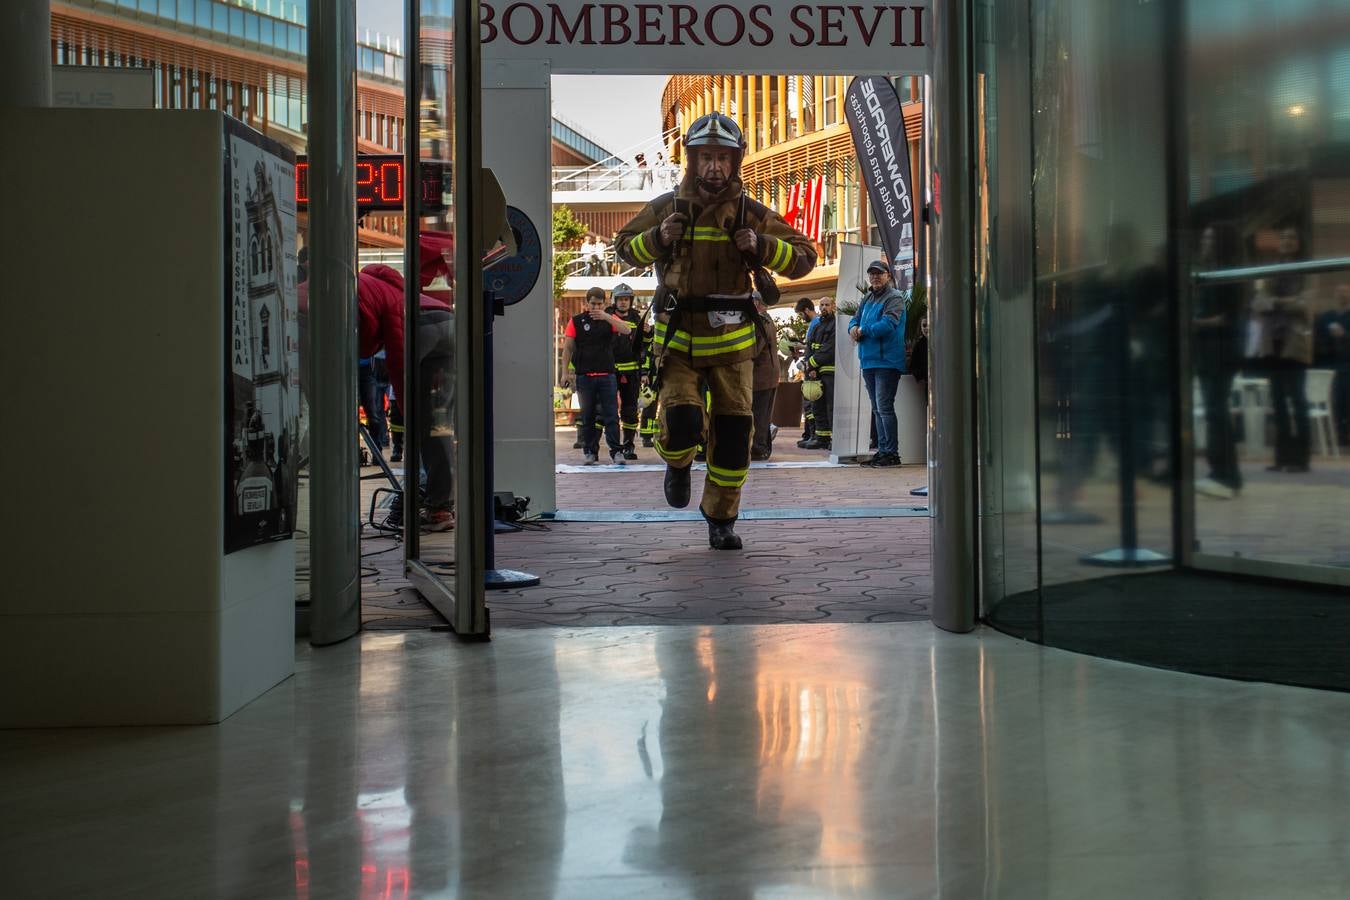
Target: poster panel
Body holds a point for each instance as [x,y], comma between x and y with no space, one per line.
[262,351]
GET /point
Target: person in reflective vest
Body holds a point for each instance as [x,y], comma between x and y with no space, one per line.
[588,360]
[710,245]
[820,365]
[627,362]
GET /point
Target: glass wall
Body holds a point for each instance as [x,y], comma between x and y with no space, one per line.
[1268,183]
[1163,294]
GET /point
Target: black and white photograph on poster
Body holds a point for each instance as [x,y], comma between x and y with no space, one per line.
[263,343]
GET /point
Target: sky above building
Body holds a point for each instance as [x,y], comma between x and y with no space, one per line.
[619,111]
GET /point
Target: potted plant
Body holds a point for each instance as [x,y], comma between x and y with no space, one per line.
[563,413]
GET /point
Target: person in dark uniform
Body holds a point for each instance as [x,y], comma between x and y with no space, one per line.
[765,383]
[820,366]
[649,426]
[588,358]
[806,309]
[627,364]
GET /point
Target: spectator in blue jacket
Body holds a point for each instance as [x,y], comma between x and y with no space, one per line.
[879,331]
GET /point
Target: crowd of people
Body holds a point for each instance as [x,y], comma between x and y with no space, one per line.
[607,361]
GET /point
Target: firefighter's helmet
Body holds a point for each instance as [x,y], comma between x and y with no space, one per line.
[812,390]
[646,396]
[621,290]
[716,130]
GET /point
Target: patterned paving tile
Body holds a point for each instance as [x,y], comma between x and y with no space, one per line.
[661,573]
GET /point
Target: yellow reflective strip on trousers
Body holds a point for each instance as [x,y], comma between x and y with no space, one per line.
[670,456]
[731,478]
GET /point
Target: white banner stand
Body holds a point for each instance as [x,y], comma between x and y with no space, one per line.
[852,423]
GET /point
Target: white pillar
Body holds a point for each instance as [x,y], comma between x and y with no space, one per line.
[516,98]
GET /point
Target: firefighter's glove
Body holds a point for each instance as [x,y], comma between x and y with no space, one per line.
[672,227]
[746,240]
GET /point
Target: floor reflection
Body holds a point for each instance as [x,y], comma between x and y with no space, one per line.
[804,761]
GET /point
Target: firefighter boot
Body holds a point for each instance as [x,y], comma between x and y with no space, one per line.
[722,534]
[677,486]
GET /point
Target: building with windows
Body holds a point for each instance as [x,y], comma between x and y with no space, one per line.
[795,133]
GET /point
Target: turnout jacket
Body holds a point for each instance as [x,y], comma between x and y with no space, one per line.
[704,266]
[820,344]
[627,347]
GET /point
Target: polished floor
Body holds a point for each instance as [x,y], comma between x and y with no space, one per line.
[699,762]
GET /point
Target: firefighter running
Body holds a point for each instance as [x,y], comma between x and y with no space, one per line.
[705,239]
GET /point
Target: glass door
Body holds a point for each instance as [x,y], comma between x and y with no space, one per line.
[444,330]
[1265,147]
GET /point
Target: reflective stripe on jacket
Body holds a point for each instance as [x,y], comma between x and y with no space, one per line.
[820,349]
[705,264]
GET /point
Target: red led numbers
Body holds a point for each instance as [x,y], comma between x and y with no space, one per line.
[379,184]
[391,182]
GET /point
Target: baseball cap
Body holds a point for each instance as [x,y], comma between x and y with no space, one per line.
[878,266]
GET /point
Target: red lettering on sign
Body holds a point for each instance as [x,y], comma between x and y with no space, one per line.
[302,182]
[918,27]
[711,20]
[683,17]
[649,20]
[810,34]
[487,31]
[509,16]
[616,17]
[766,33]
[582,23]
[724,24]
[868,33]
[828,23]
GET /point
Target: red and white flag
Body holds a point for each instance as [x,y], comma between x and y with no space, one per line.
[793,213]
[805,208]
[814,203]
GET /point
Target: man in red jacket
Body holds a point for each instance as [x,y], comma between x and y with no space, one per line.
[380,326]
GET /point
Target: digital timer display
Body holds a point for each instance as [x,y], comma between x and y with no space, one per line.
[379,183]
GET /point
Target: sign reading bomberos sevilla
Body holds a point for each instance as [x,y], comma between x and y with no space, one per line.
[703,36]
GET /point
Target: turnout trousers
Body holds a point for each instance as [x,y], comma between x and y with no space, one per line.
[724,428]
[630,382]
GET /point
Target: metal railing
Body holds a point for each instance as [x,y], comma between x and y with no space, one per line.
[616,173]
[613,178]
[604,266]
[1251,273]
